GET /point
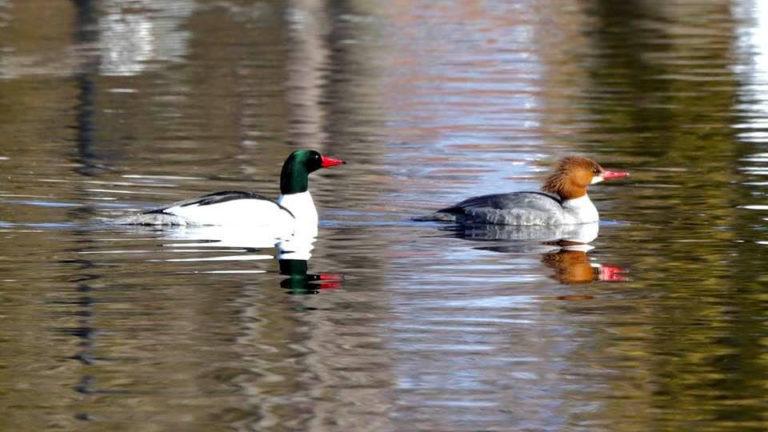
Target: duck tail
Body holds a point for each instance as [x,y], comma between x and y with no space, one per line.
[437,216]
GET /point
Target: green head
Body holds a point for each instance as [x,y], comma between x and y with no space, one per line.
[295,175]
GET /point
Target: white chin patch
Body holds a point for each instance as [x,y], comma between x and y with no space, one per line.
[596,179]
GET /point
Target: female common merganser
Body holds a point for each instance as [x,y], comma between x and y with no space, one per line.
[563,202]
[293,210]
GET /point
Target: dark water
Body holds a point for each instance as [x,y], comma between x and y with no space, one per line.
[112,106]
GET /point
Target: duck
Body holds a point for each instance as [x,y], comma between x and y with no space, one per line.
[563,199]
[293,211]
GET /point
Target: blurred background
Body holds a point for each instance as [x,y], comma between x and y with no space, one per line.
[112,106]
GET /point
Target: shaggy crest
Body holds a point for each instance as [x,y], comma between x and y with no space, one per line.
[572,176]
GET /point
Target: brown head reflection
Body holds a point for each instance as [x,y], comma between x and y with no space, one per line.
[574,267]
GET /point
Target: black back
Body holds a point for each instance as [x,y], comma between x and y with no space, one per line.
[216,198]
[497,201]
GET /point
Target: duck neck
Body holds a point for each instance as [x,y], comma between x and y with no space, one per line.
[294,178]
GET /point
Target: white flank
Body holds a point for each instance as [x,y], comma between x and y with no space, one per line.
[251,213]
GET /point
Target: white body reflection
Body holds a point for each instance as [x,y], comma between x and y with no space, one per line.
[296,247]
[233,246]
[220,237]
[532,237]
[563,248]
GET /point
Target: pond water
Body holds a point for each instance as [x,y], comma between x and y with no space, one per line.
[114,106]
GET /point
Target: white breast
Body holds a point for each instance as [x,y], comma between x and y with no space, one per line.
[580,210]
[303,208]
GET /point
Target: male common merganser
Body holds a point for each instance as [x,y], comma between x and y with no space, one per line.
[293,210]
[563,201]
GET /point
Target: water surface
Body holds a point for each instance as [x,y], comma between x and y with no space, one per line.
[111,107]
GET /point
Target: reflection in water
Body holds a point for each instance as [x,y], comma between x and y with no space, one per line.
[127,37]
[299,281]
[308,27]
[138,33]
[752,45]
[293,254]
[430,99]
[530,234]
[293,258]
[563,248]
[574,266]
[86,84]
